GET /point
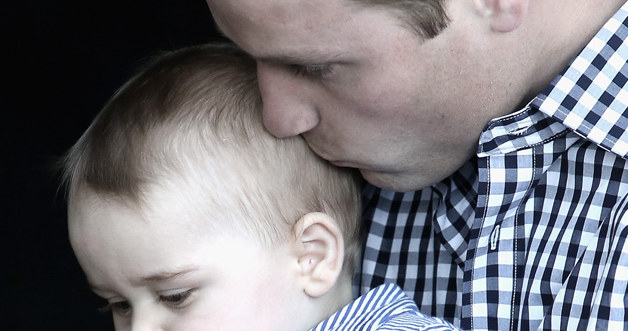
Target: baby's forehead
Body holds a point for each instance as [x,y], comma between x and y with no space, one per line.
[169,203]
[209,194]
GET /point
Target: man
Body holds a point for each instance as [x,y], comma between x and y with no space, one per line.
[509,116]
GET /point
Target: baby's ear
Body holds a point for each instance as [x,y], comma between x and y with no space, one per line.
[320,250]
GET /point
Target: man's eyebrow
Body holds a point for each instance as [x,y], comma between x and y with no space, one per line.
[302,57]
[283,58]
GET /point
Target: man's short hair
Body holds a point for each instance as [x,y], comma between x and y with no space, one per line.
[193,117]
[426,17]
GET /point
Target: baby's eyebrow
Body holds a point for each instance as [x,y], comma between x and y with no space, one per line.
[168,274]
[152,278]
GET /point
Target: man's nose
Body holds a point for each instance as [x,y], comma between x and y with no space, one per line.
[288,109]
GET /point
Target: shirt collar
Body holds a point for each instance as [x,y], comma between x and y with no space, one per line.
[588,97]
[376,302]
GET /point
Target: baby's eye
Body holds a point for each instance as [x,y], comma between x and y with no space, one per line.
[122,308]
[176,299]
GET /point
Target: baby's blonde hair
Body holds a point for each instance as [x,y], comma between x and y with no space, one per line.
[193,116]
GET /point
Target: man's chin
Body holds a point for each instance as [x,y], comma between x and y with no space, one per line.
[398,182]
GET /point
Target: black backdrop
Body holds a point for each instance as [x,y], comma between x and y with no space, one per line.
[60,61]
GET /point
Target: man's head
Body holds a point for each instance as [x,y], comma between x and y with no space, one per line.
[399,89]
[181,205]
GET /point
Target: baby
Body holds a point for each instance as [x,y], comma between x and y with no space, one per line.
[185,214]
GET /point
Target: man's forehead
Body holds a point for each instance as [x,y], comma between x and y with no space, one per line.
[274,10]
[277,28]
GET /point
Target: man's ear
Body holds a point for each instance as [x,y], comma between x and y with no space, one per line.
[320,250]
[504,15]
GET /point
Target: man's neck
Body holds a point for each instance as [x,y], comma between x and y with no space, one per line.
[565,28]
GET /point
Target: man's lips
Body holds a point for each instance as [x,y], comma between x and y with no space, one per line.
[332,160]
[317,151]
[341,163]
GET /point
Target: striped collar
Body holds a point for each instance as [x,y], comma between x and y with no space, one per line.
[371,308]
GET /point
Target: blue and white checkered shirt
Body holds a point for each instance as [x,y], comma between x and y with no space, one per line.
[385,307]
[532,233]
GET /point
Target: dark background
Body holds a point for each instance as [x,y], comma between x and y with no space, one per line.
[61,60]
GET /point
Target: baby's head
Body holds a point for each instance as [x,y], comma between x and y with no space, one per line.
[186,214]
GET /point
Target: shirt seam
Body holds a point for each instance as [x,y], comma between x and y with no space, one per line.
[488,189]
